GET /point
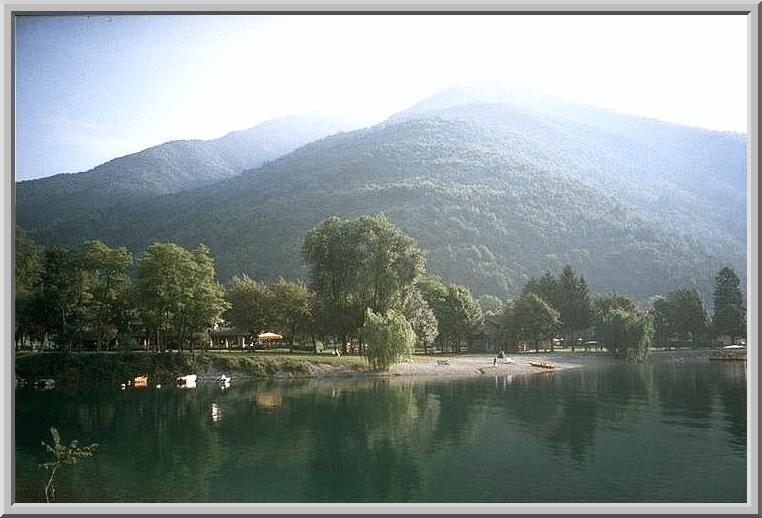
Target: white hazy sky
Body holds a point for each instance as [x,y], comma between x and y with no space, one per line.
[90,88]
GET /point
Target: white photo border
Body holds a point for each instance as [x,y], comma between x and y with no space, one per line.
[11,9]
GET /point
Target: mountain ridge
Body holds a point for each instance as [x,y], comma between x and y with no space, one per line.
[495,195]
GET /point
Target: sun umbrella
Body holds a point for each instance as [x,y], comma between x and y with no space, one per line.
[269,336]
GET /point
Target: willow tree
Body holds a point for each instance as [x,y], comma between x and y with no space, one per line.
[627,335]
[358,264]
[390,338]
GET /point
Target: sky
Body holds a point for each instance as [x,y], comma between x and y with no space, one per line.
[92,88]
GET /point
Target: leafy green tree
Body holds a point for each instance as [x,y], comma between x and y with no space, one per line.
[28,267]
[292,305]
[390,338]
[355,264]
[626,334]
[729,309]
[63,454]
[177,293]
[417,311]
[530,318]
[662,313]
[459,315]
[28,276]
[65,296]
[463,318]
[606,302]
[689,313]
[251,305]
[208,299]
[110,283]
[573,304]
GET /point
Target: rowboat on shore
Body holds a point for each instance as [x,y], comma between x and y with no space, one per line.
[542,365]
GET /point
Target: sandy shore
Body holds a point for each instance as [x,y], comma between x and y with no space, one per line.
[468,365]
[482,365]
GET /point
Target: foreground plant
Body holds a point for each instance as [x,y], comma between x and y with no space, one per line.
[63,454]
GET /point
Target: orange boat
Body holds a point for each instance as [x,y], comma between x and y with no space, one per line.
[542,365]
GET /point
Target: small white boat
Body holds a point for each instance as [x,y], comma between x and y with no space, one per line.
[187,381]
[46,383]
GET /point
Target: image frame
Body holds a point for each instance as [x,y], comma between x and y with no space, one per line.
[16,8]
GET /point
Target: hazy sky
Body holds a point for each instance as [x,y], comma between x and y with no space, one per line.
[93,88]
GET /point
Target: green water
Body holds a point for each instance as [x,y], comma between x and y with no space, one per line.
[666,431]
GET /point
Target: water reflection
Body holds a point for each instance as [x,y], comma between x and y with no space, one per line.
[519,438]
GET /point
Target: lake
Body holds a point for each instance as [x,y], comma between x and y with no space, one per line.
[669,430]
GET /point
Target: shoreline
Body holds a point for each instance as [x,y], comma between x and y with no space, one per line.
[74,368]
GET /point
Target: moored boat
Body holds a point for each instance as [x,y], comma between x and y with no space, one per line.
[729,353]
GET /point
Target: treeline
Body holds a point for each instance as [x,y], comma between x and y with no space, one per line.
[550,307]
[360,269]
[367,285]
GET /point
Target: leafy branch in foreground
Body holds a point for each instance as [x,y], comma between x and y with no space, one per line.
[63,454]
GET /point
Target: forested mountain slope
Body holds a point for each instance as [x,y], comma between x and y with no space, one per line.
[77,200]
[491,208]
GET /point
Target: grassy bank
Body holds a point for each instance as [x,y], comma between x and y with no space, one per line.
[165,367]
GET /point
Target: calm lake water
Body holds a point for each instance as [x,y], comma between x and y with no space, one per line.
[665,431]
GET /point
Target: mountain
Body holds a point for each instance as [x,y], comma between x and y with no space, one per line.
[691,180]
[172,167]
[496,192]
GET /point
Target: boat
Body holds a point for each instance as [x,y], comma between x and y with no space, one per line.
[188,381]
[729,353]
[223,380]
[141,381]
[45,383]
[542,365]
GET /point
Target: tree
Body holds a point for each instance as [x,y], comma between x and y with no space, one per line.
[422,319]
[546,287]
[459,315]
[27,275]
[28,267]
[208,300]
[292,305]
[177,293]
[604,303]
[110,283]
[729,310]
[251,305]
[390,338]
[66,292]
[626,334]
[662,313]
[355,264]
[573,304]
[689,314]
[530,318]
[63,454]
